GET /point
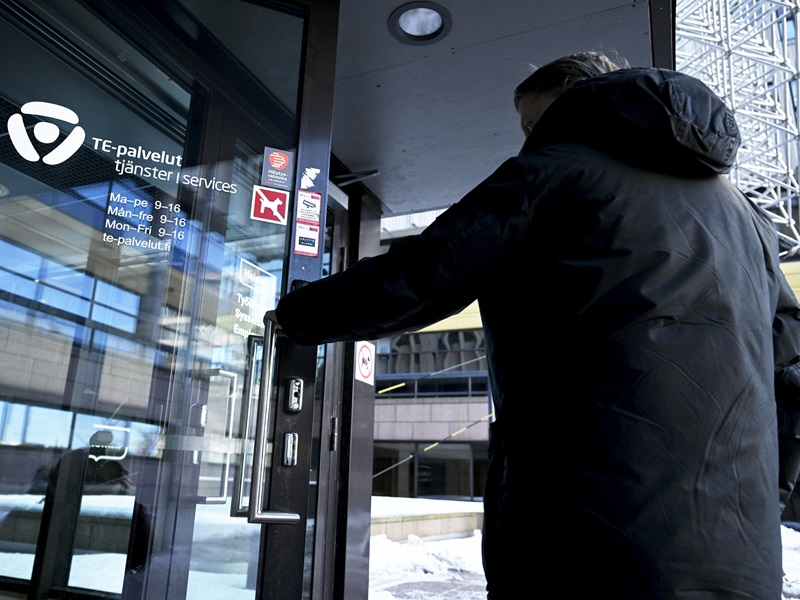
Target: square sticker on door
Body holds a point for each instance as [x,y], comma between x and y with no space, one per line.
[269,205]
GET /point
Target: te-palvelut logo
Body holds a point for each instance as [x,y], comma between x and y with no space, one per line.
[45,132]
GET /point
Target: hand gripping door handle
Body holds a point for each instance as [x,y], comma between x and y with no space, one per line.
[257,513]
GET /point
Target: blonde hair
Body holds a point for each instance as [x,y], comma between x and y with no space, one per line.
[559,75]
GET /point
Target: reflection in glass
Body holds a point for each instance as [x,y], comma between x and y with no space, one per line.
[128,294]
[91,489]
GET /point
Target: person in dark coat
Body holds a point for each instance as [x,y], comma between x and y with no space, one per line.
[643,343]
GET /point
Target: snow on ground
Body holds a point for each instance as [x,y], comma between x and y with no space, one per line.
[432,568]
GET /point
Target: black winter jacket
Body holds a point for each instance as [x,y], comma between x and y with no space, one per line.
[638,326]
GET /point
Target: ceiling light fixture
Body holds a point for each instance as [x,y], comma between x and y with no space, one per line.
[420,23]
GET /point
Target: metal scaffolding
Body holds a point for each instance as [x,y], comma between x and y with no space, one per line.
[747,52]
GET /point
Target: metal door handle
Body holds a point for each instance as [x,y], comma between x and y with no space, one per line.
[199,419]
[255,354]
[257,513]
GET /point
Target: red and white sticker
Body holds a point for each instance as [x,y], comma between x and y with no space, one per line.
[278,170]
[309,205]
[278,160]
[269,204]
[365,362]
[307,223]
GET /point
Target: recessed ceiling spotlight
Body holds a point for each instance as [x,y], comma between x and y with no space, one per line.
[420,23]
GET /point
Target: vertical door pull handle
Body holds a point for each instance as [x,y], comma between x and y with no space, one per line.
[258,484]
[241,496]
[198,418]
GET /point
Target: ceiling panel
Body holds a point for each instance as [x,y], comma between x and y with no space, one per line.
[434,120]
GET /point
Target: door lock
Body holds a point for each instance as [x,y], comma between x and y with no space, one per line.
[290,449]
[294,395]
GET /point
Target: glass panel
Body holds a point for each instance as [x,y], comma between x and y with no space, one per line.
[224,549]
[82,280]
[133,280]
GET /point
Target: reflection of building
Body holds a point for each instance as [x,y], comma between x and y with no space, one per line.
[131,278]
[432,403]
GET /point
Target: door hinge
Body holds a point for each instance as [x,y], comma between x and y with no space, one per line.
[334,434]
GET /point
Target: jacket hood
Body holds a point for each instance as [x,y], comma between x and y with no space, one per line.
[655,118]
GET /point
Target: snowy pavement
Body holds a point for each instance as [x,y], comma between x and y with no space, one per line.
[425,569]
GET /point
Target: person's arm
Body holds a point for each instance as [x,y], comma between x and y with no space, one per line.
[421,279]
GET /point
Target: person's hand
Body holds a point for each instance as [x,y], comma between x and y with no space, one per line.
[271,316]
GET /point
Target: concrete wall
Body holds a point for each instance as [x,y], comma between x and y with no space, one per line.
[432,419]
[427,526]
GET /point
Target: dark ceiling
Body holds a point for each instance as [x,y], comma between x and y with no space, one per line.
[434,120]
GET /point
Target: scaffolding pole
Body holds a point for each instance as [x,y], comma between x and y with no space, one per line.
[747,53]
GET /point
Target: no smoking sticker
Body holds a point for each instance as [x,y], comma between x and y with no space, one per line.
[365,362]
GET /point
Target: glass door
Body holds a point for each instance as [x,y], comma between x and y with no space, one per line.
[143,234]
